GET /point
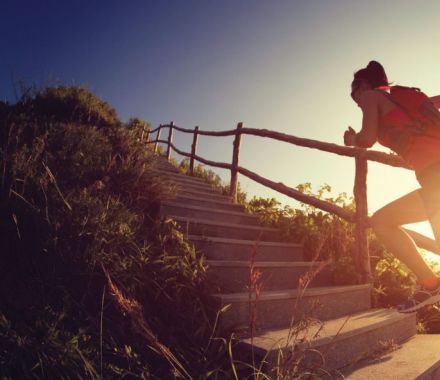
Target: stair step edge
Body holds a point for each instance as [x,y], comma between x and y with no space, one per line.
[178,175]
[199,208]
[333,330]
[261,264]
[244,242]
[415,359]
[290,293]
[216,202]
[183,182]
[214,223]
[213,190]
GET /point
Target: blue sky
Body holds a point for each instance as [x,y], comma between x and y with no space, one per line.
[280,65]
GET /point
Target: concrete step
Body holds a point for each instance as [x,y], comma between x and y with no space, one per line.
[213,196]
[173,171]
[195,190]
[277,308]
[169,208]
[163,162]
[162,158]
[418,358]
[211,228]
[233,276]
[189,187]
[234,249]
[164,165]
[338,342]
[185,177]
[207,203]
[163,171]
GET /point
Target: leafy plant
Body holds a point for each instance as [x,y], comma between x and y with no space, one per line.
[92,283]
[71,104]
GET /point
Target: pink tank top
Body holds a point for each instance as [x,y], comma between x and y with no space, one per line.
[423,150]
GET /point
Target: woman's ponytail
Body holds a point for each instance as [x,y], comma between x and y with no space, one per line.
[374,74]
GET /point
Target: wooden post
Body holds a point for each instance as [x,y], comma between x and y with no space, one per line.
[193,150]
[362,259]
[157,138]
[145,132]
[235,162]
[170,140]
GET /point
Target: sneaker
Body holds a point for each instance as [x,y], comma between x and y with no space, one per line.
[420,298]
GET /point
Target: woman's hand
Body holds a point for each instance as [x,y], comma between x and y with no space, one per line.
[350,137]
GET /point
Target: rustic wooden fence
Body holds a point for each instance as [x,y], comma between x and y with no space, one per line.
[361,156]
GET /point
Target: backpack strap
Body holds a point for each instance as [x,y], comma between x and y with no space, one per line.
[383,90]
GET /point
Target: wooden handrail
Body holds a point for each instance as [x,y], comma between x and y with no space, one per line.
[193,150]
[298,195]
[157,139]
[371,155]
[221,165]
[280,187]
[360,195]
[362,156]
[203,133]
[233,188]
[170,140]
[389,159]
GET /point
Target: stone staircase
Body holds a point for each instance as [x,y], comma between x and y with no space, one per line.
[350,336]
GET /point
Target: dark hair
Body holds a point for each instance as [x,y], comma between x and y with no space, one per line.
[373,74]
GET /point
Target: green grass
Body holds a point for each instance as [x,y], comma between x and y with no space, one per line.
[92,283]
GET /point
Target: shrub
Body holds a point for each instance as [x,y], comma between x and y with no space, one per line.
[92,283]
[70,104]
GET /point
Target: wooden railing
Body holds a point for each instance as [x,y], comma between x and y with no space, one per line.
[361,156]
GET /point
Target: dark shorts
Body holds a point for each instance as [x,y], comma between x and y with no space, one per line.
[429,179]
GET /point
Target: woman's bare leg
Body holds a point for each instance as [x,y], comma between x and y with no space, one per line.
[387,223]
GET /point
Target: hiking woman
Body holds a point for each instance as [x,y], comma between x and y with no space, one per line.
[388,122]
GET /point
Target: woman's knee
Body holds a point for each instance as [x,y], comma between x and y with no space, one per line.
[381,221]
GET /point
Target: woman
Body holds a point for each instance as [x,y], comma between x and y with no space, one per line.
[386,122]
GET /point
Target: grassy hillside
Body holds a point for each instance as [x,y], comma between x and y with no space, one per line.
[92,283]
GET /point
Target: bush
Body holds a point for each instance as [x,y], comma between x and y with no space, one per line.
[69,104]
[92,283]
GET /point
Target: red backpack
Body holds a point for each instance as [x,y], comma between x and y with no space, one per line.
[417,106]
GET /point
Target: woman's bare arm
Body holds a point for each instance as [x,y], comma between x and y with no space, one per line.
[370,120]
